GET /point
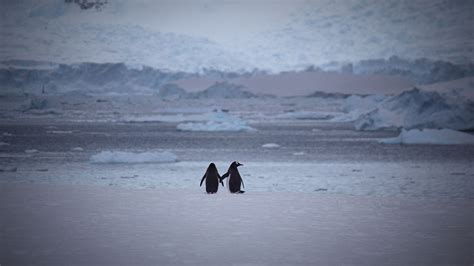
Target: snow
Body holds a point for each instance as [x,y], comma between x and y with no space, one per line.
[430,136]
[57,225]
[106,157]
[434,180]
[270,145]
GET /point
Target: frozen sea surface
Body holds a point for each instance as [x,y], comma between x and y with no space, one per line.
[90,225]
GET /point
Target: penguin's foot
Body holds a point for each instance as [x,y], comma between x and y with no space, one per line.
[241,192]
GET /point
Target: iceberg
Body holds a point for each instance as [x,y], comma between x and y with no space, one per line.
[430,136]
[410,109]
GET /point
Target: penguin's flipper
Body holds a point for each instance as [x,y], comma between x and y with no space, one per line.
[225,175]
[202,180]
[220,179]
[241,180]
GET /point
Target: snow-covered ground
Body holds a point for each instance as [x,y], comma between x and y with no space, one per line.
[57,225]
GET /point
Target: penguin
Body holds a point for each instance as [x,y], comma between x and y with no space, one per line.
[234,181]
[212,179]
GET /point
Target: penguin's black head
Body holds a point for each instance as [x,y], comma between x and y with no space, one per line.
[236,164]
[212,166]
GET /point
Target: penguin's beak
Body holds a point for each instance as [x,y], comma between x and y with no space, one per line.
[239,164]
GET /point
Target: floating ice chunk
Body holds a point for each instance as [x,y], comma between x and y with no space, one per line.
[31,151]
[59,131]
[6,134]
[300,153]
[77,149]
[4,143]
[131,157]
[430,136]
[270,145]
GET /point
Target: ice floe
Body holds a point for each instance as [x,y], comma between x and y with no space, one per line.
[270,145]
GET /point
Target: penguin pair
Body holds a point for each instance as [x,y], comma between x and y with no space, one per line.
[213,178]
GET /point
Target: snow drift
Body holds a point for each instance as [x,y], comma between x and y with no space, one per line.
[411,109]
[430,136]
[131,157]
